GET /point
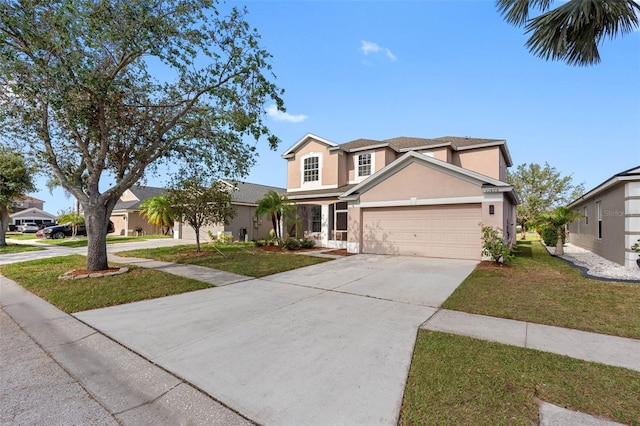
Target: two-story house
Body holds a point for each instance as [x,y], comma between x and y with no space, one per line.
[405,196]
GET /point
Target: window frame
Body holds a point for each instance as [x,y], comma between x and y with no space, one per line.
[361,164]
[304,171]
[599,218]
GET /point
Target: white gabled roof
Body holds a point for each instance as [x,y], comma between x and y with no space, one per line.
[291,151]
[415,157]
[33,211]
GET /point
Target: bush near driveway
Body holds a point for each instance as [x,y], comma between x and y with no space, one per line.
[542,289]
[464,381]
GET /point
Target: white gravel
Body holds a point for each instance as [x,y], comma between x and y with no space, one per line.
[597,266]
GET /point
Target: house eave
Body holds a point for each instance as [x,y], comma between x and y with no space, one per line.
[612,181]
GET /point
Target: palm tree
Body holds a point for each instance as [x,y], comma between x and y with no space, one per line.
[74,219]
[572,31]
[558,220]
[159,213]
[275,205]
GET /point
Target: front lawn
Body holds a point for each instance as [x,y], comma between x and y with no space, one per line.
[41,278]
[542,289]
[82,241]
[21,236]
[239,258]
[461,380]
[17,248]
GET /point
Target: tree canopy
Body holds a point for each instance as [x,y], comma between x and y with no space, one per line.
[572,31]
[73,218]
[159,212]
[541,189]
[16,179]
[557,220]
[106,91]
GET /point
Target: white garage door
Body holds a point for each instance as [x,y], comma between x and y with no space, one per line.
[450,231]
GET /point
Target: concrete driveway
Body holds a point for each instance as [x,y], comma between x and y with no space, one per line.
[328,344]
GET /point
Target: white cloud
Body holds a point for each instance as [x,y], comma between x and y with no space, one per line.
[368,47]
[272,111]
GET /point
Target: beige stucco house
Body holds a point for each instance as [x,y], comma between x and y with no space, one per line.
[405,196]
[30,210]
[611,222]
[127,213]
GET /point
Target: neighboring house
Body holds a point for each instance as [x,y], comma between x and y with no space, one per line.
[127,213]
[611,223]
[405,196]
[30,210]
[245,224]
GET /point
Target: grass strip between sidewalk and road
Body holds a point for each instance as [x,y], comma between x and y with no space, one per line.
[239,258]
[461,380]
[41,278]
[542,289]
[18,248]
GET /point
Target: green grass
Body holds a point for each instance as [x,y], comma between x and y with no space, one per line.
[542,289]
[41,278]
[21,236]
[16,248]
[243,259]
[82,241]
[460,380]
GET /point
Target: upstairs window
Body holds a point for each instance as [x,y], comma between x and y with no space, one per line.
[311,171]
[364,164]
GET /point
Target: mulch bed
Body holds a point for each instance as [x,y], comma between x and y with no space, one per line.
[339,252]
[85,273]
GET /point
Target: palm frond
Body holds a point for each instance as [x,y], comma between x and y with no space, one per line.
[516,12]
[571,32]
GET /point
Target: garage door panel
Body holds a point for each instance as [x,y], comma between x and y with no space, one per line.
[435,231]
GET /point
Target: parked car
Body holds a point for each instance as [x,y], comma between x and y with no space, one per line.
[29,228]
[39,234]
[66,230]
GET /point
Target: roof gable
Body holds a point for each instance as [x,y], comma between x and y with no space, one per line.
[632,174]
[424,160]
[291,151]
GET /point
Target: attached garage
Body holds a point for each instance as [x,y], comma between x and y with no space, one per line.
[447,231]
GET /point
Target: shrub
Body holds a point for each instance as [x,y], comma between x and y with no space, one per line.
[290,243]
[261,243]
[493,245]
[549,235]
[307,243]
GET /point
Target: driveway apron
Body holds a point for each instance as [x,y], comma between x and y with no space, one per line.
[326,344]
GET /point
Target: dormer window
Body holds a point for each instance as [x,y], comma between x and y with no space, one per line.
[311,170]
[364,164]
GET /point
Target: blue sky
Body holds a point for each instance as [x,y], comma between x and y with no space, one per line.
[383,69]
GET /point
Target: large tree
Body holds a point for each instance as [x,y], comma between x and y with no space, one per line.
[572,31]
[16,179]
[105,91]
[198,204]
[541,189]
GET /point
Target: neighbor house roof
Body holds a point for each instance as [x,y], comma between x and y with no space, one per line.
[630,174]
[141,193]
[245,193]
[32,211]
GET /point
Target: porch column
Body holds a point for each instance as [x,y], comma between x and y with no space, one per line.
[325,231]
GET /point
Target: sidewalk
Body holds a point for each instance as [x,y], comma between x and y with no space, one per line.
[58,371]
[610,350]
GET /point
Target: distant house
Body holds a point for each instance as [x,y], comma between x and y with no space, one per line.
[30,210]
[404,196]
[245,224]
[127,214]
[611,223]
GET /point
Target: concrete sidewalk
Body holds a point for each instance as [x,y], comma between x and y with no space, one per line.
[58,371]
[610,350]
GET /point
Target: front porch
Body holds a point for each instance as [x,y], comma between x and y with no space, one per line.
[324,222]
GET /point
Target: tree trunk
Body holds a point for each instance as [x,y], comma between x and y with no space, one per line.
[197,229]
[4,221]
[524,232]
[559,245]
[275,224]
[97,222]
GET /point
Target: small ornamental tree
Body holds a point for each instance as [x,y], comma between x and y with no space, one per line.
[72,218]
[16,179]
[275,206]
[494,246]
[199,204]
[558,220]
